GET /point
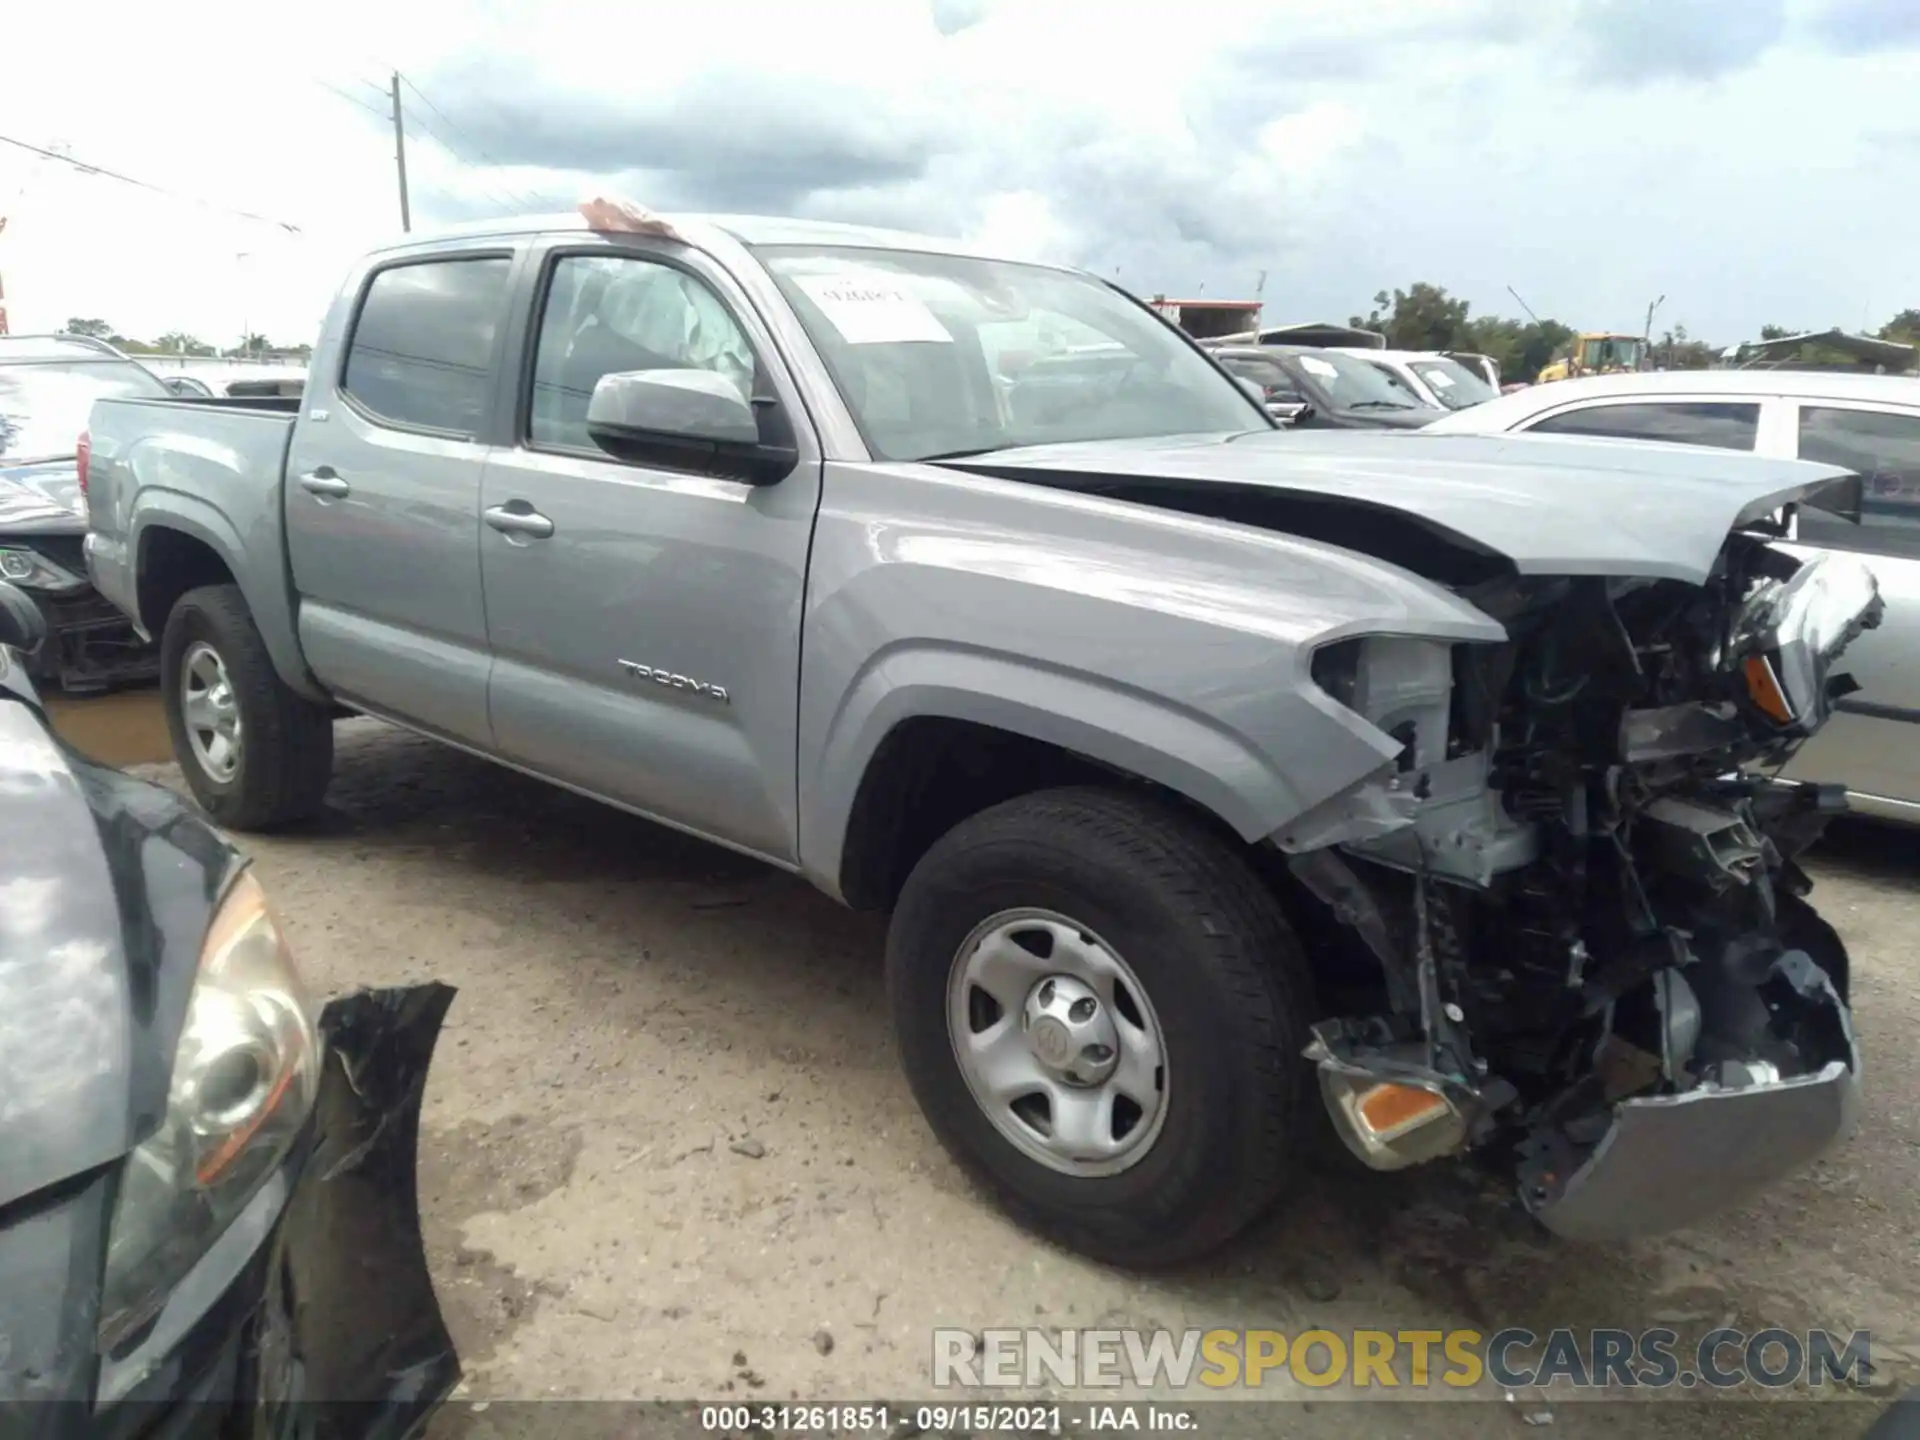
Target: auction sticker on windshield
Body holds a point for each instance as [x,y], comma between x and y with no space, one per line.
[873,310]
[1319,367]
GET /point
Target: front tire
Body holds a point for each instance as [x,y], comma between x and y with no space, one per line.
[256,755]
[1101,1011]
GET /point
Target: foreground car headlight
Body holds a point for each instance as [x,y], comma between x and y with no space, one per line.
[244,1080]
[1798,628]
[35,571]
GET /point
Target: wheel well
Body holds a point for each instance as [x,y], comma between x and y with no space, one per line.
[171,564]
[928,775]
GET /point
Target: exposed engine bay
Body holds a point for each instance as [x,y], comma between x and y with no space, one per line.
[1578,937]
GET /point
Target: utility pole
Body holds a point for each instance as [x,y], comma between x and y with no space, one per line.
[400,152]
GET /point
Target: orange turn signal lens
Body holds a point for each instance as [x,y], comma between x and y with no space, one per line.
[1389,1110]
[1763,686]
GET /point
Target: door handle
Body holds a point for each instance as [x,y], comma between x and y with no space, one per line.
[530,524]
[324,483]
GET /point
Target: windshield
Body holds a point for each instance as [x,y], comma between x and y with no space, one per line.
[44,403]
[1353,384]
[939,355]
[1456,385]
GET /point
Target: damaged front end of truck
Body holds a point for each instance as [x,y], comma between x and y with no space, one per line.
[1579,941]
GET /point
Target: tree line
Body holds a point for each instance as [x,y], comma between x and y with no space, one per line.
[1426,317]
[179,342]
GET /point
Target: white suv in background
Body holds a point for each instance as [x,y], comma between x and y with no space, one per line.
[1435,379]
[1870,423]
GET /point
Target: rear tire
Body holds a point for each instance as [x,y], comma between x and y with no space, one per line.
[256,755]
[1223,1005]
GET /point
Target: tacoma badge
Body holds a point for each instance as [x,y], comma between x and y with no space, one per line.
[676,682]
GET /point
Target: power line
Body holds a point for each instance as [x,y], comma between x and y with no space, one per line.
[449,123]
[374,110]
[87,169]
[522,200]
[519,203]
[385,114]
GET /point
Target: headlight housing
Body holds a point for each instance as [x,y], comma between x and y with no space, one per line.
[22,566]
[1794,630]
[244,1080]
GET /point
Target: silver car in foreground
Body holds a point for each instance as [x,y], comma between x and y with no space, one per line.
[1208,770]
[1868,423]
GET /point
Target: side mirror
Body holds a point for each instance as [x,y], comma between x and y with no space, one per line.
[22,626]
[684,420]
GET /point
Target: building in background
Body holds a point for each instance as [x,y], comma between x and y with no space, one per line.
[1209,319]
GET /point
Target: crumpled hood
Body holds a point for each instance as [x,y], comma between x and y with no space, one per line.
[1548,505]
[42,499]
[90,1007]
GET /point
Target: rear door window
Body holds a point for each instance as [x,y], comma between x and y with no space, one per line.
[1719,424]
[1883,447]
[422,351]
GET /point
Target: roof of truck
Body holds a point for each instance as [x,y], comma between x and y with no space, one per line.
[750,230]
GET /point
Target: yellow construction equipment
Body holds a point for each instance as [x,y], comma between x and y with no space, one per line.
[1598,353]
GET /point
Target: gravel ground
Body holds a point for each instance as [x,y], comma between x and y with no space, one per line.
[667,1152]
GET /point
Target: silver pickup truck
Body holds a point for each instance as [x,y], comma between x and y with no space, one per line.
[1222,782]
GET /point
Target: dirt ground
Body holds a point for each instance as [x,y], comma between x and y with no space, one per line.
[668,1153]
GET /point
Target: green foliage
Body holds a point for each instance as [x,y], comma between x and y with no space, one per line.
[98,329]
[1676,350]
[1520,348]
[179,342]
[1423,318]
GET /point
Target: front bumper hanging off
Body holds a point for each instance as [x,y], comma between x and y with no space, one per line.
[90,645]
[1670,1161]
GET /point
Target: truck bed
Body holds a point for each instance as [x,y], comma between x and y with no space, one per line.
[210,469]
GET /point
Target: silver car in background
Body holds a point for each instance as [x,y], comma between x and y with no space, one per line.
[1868,423]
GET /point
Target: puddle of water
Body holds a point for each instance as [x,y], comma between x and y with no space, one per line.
[124,728]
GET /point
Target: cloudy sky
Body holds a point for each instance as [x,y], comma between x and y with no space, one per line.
[1753,161]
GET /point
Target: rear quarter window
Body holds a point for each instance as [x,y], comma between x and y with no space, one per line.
[1883,447]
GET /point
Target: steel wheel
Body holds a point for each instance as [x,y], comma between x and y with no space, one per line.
[210,711]
[1058,1042]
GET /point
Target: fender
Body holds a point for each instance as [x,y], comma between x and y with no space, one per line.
[1132,732]
[268,597]
[1172,647]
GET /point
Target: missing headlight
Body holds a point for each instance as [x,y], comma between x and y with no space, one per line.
[1336,669]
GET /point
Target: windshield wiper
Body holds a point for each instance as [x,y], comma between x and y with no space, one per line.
[1378,405]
